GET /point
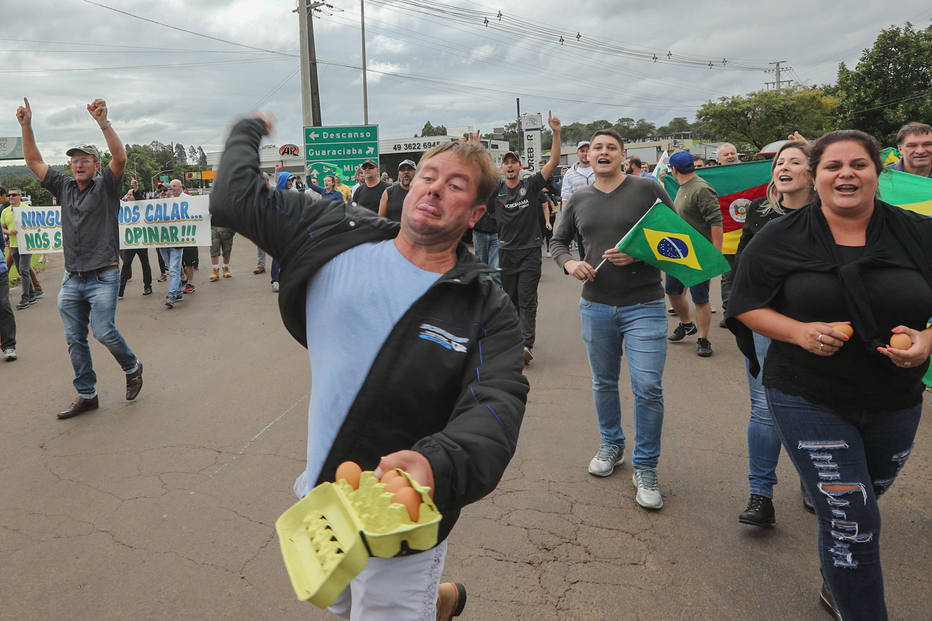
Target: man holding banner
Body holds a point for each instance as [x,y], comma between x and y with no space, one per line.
[90,231]
[621,305]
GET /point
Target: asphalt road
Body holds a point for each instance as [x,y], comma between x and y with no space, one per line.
[164,508]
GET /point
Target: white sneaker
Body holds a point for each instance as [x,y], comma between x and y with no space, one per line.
[275,286]
[9,354]
[604,462]
[648,496]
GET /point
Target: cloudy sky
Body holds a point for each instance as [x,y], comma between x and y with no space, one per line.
[183,71]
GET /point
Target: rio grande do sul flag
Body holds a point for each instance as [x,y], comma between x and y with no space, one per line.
[736,185]
[666,241]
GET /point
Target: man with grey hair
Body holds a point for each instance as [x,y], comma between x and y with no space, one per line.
[727,154]
[90,204]
[173,259]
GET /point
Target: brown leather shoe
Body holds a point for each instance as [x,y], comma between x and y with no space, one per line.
[133,383]
[528,356]
[451,599]
[79,406]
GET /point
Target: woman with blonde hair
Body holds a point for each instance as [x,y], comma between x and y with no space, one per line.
[789,189]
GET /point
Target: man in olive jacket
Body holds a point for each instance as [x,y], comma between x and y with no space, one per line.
[416,352]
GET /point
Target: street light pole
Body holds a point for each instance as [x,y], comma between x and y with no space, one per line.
[365,87]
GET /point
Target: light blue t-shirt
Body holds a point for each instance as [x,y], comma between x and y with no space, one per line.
[353,302]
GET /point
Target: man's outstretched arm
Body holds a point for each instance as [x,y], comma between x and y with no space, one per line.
[30,151]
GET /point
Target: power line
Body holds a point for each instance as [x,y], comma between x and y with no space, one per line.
[895,101]
[191,32]
[527,28]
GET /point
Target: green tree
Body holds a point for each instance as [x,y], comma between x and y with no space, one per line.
[891,84]
[761,117]
[180,155]
[678,125]
[29,184]
[433,130]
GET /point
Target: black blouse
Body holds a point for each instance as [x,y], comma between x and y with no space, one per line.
[794,266]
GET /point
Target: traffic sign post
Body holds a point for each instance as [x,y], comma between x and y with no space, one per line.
[339,149]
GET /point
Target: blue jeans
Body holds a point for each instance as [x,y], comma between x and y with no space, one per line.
[486,246]
[642,330]
[275,271]
[763,439]
[845,463]
[172,258]
[92,299]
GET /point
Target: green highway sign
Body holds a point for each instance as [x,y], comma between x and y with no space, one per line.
[339,149]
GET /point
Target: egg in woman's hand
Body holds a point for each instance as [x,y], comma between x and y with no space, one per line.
[844,328]
[411,499]
[900,341]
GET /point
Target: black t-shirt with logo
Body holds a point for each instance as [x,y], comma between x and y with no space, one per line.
[517,211]
[369,197]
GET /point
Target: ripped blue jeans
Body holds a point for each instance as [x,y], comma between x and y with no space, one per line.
[845,463]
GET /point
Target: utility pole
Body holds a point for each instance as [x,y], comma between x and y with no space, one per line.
[778,83]
[310,91]
[365,87]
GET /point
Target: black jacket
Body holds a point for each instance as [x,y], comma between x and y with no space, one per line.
[461,407]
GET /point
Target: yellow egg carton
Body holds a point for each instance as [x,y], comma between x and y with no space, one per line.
[327,537]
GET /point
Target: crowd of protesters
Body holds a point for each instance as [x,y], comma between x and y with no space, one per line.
[815,257]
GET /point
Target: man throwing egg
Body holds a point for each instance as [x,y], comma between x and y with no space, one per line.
[416,352]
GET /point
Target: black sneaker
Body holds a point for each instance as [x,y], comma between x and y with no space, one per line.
[682,331]
[722,324]
[759,512]
[828,602]
[703,347]
[24,304]
[147,291]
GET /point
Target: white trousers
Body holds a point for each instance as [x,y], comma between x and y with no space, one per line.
[403,588]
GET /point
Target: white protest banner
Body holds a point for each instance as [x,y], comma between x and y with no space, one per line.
[154,223]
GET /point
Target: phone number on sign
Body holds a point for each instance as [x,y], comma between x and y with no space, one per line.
[417,146]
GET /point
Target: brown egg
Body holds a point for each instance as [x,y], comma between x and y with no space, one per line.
[844,328]
[409,497]
[900,341]
[349,471]
[389,475]
[396,483]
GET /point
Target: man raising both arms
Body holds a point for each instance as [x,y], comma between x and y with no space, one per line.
[415,351]
[517,211]
[91,241]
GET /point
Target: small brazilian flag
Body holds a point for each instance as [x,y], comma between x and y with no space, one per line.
[666,241]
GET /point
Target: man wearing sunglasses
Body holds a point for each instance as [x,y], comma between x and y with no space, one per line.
[30,284]
[91,242]
[7,319]
[370,190]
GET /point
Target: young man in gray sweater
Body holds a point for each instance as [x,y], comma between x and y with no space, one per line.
[622,304]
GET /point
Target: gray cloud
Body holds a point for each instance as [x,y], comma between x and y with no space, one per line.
[163,84]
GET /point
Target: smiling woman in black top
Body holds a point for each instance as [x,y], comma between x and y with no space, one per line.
[847,409]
